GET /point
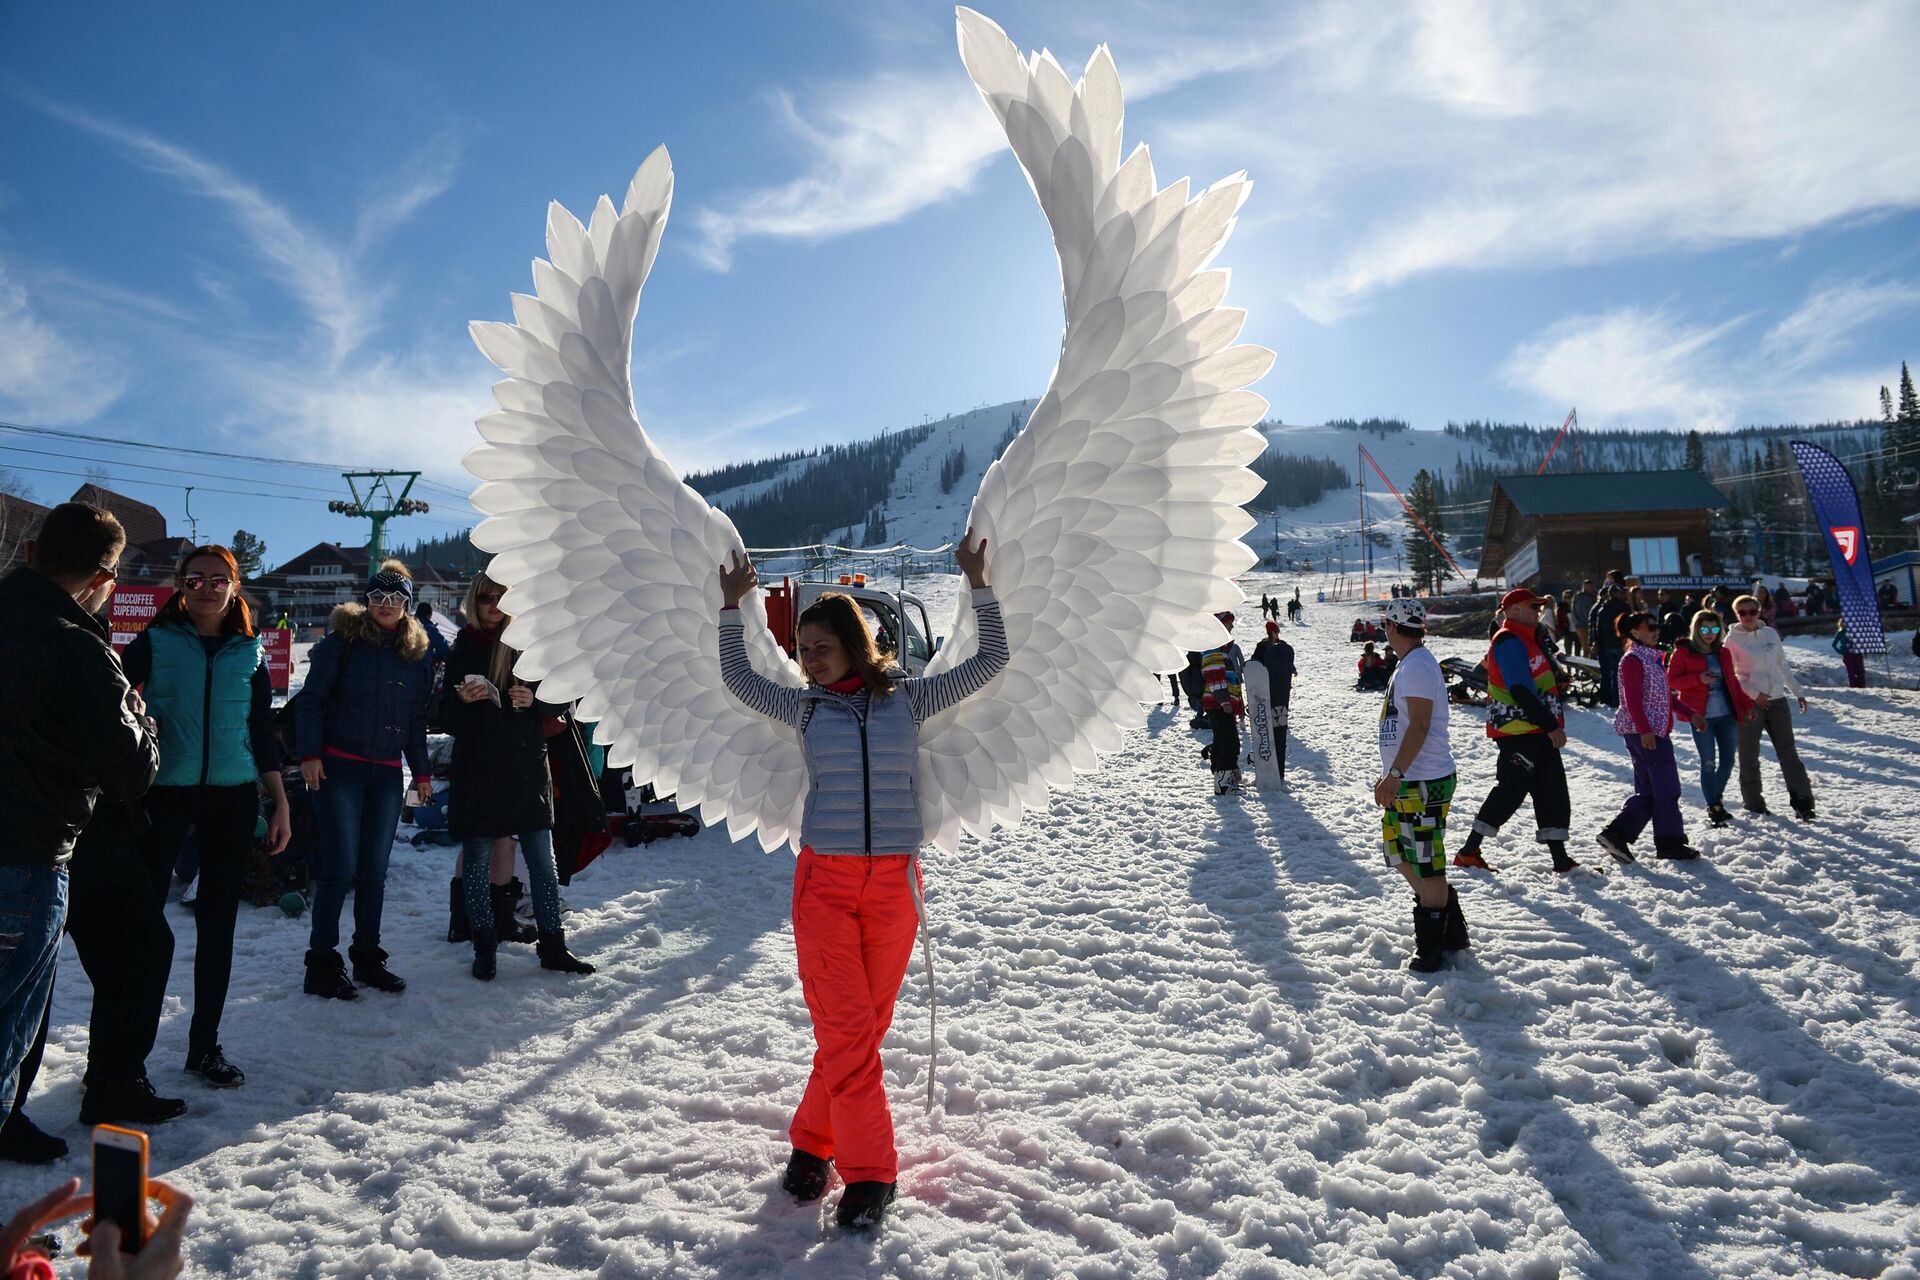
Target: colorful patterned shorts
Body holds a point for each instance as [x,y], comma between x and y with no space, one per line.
[1414,826]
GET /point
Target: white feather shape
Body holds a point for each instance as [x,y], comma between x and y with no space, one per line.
[609,560]
[1113,519]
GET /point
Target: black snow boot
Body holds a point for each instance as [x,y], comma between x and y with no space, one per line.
[1429,939]
[1804,810]
[1718,816]
[1456,936]
[24,1142]
[457,929]
[370,969]
[1674,849]
[863,1205]
[484,943]
[1618,846]
[1561,862]
[554,954]
[806,1177]
[127,1102]
[506,925]
[327,976]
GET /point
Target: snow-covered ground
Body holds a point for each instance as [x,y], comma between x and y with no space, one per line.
[1176,1039]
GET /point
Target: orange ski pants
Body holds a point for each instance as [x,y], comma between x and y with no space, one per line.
[854,923]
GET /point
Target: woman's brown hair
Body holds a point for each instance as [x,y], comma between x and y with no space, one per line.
[500,670]
[837,612]
[238,620]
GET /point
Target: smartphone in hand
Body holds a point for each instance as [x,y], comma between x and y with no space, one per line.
[120,1182]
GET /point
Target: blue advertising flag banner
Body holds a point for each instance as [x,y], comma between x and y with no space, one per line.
[1836,506]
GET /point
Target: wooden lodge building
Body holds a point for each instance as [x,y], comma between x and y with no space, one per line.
[1554,530]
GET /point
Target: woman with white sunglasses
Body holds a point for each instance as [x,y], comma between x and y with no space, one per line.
[362,710]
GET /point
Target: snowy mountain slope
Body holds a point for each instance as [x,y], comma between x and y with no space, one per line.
[1175,1039]
[1326,531]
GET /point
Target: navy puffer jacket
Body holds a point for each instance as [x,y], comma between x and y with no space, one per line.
[366,691]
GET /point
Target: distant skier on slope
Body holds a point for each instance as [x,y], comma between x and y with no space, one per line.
[1415,790]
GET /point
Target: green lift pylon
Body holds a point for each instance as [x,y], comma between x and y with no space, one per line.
[375,500]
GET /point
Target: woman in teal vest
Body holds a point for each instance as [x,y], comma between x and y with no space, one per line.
[206,685]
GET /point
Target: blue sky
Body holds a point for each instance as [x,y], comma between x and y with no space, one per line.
[253,228]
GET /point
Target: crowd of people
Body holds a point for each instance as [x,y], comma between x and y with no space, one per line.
[118,768]
[114,762]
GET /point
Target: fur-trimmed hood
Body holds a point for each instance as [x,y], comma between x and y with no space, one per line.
[353,621]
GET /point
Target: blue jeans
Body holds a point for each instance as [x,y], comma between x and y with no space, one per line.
[1716,747]
[537,848]
[33,911]
[359,808]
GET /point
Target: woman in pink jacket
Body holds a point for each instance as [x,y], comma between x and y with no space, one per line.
[1701,674]
[1645,721]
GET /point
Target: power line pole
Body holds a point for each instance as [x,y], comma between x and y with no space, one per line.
[375,501]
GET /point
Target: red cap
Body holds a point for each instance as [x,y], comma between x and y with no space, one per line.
[1273,628]
[1520,595]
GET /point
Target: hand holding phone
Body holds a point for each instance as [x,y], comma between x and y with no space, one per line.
[120,1183]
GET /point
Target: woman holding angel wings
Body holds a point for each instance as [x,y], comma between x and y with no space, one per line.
[857,890]
[1112,520]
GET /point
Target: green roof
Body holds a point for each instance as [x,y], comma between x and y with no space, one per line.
[1596,492]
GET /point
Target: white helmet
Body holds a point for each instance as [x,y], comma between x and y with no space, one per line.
[1407,613]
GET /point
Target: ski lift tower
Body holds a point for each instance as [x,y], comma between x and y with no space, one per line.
[376,500]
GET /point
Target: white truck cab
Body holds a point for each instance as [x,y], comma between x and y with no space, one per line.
[898,620]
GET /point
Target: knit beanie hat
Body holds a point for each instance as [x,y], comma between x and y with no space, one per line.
[391,580]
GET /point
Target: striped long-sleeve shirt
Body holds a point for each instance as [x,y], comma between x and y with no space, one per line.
[927,696]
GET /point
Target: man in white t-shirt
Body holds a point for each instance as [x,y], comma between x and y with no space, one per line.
[1415,789]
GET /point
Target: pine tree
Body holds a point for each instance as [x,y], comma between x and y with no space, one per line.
[249,552]
[1886,404]
[1696,453]
[1424,560]
[1909,402]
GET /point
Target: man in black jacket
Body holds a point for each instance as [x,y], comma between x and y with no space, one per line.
[1276,655]
[1608,647]
[71,730]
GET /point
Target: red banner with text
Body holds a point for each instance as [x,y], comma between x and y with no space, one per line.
[278,647]
[131,609]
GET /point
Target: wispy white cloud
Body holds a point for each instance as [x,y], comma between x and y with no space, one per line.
[1492,134]
[46,375]
[1631,366]
[880,149]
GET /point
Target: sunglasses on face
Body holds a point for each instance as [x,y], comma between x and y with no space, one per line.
[1748,613]
[386,599]
[200,581]
[488,597]
[1709,631]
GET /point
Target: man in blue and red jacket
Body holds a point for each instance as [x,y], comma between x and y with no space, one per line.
[1524,693]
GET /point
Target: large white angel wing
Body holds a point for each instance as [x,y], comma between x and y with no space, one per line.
[1113,518]
[609,559]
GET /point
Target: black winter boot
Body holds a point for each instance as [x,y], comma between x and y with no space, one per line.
[484,943]
[863,1205]
[506,925]
[1617,846]
[1456,936]
[806,1176]
[24,1142]
[127,1102]
[457,929]
[554,954]
[1429,939]
[370,970]
[1561,862]
[1674,849]
[327,976]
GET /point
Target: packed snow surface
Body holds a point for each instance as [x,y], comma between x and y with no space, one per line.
[1176,1039]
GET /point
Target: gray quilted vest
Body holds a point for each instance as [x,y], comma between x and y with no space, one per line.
[862,800]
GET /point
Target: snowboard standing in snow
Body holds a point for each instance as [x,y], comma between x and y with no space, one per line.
[1266,729]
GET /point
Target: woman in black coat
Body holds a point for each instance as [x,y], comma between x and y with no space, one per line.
[501,788]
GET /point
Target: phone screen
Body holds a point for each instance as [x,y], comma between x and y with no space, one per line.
[119,1179]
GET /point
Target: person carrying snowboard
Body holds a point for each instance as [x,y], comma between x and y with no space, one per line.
[856,888]
[1525,689]
[1276,655]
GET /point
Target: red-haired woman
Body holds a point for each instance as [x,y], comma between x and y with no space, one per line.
[206,685]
